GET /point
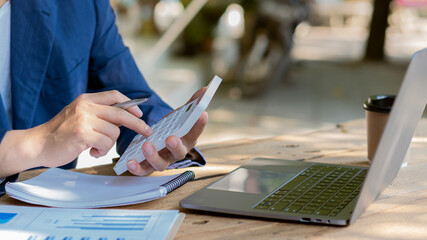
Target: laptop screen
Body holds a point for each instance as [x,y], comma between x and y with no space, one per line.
[405,114]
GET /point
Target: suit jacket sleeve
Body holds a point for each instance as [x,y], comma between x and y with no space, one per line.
[111,66]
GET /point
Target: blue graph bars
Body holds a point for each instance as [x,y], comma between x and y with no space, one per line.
[109,222]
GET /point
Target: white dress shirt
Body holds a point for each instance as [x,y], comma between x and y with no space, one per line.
[5,86]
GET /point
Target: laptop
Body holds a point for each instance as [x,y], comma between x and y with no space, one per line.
[317,192]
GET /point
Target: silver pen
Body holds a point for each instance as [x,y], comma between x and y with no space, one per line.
[130,103]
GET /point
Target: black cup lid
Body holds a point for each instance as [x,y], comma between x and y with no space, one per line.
[379,103]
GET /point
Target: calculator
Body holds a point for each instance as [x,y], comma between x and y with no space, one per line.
[177,123]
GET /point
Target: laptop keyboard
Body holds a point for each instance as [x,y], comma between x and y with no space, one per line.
[319,190]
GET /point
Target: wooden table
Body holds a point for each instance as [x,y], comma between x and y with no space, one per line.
[399,213]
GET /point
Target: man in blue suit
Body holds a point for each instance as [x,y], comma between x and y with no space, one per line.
[62,65]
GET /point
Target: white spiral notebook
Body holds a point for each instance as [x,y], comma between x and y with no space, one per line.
[68,189]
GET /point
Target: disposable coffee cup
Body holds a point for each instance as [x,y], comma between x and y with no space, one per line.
[377,110]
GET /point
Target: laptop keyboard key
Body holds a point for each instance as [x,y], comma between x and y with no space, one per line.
[279,206]
[293,183]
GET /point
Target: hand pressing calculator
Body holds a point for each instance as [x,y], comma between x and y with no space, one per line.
[178,123]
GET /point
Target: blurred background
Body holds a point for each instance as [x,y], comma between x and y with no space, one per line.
[288,66]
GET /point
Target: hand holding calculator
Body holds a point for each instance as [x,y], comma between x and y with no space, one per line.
[177,123]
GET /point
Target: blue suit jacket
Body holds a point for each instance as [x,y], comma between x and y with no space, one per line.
[61,49]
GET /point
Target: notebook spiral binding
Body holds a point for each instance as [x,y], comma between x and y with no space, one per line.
[179,181]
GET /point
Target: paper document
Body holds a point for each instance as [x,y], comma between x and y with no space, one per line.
[31,223]
[61,188]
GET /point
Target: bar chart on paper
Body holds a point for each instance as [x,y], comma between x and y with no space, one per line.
[86,224]
[104,222]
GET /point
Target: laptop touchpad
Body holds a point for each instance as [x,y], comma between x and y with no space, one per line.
[252,181]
